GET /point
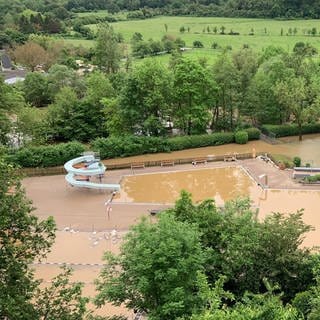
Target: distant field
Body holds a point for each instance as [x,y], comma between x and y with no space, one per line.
[265,32]
[155,28]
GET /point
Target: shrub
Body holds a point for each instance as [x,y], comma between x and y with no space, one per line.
[214,45]
[241,137]
[197,44]
[297,161]
[290,129]
[131,145]
[128,146]
[197,141]
[46,156]
[314,178]
[253,133]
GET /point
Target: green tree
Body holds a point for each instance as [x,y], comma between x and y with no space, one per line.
[197,44]
[156,271]
[11,101]
[31,124]
[246,63]
[61,300]
[293,94]
[107,50]
[262,103]
[98,87]
[60,76]
[227,78]
[247,251]
[23,238]
[252,307]
[61,115]
[35,88]
[194,91]
[146,98]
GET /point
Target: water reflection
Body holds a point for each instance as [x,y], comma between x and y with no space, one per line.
[222,184]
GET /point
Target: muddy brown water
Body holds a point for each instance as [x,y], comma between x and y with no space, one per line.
[220,184]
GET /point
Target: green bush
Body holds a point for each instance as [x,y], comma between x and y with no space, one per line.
[197,141]
[290,129]
[314,178]
[128,146]
[46,156]
[253,133]
[241,137]
[131,145]
[297,161]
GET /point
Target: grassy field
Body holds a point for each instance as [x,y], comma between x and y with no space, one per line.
[265,32]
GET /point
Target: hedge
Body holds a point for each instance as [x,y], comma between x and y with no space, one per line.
[286,130]
[112,147]
[45,156]
[131,145]
[128,146]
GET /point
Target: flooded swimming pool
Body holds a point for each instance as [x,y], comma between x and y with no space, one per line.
[221,184]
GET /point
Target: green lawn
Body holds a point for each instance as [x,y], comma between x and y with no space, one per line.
[155,28]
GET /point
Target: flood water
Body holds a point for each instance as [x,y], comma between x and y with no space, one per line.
[221,184]
[289,201]
[308,150]
[83,211]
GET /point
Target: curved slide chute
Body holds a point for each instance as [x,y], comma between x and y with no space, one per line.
[92,168]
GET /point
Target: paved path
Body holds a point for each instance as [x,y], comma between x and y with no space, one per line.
[277,179]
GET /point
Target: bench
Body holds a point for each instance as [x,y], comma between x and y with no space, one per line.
[199,160]
[137,165]
[230,157]
[167,163]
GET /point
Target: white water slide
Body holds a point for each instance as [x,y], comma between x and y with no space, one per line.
[93,168]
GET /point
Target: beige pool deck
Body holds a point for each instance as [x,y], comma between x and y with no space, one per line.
[85,231]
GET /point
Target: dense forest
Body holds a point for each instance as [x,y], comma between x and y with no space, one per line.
[232,8]
[235,8]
